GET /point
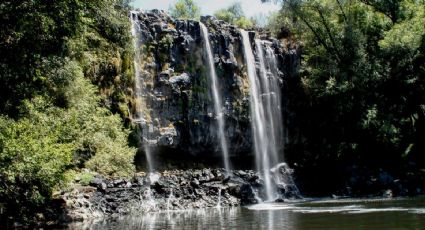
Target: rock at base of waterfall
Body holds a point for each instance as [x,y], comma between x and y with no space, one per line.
[150,193]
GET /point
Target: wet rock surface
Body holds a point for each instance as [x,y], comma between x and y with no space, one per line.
[179,111]
[169,190]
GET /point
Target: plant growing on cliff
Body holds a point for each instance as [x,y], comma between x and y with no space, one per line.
[185,9]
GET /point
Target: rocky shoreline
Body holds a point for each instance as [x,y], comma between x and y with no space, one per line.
[179,190]
[169,190]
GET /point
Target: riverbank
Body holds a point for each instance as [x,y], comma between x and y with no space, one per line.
[170,191]
[326,214]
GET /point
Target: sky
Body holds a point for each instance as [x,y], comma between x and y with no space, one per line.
[208,7]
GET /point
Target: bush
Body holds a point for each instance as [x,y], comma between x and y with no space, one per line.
[33,159]
[99,136]
[185,9]
[66,69]
[234,15]
[85,177]
[244,23]
[37,150]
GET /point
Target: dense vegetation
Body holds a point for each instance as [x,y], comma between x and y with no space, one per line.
[360,105]
[66,71]
[188,9]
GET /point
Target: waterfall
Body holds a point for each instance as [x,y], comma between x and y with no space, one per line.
[218,107]
[169,199]
[258,117]
[219,199]
[150,200]
[271,98]
[135,32]
[266,113]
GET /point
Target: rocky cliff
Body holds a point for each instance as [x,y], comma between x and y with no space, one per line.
[176,101]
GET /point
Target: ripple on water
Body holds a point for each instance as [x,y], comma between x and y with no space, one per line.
[353,208]
[270,206]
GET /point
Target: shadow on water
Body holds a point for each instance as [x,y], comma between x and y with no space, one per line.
[313,214]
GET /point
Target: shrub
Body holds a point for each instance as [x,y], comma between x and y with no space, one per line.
[33,159]
[234,14]
[185,9]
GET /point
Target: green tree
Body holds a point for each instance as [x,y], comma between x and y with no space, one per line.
[37,150]
[33,161]
[230,14]
[361,76]
[65,77]
[234,14]
[185,9]
[34,33]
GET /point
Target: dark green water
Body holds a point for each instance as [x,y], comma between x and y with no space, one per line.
[373,214]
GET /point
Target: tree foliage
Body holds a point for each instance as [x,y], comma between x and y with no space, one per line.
[65,69]
[234,14]
[185,9]
[37,150]
[230,14]
[362,77]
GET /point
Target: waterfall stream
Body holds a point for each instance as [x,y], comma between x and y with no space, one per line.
[219,198]
[258,117]
[140,119]
[266,114]
[271,99]
[217,97]
[265,109]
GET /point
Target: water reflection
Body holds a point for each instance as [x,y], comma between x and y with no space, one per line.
[328,214]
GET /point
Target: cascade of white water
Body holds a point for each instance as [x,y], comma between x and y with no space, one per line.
[277,97]
[218,106]
[282,176]
[219,199]
[258,117]
[170,197]
[150,200]
[266,113]
[135,31]
[270,95]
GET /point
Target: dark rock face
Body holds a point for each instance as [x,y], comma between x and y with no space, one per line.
[170,190]
[176,84]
